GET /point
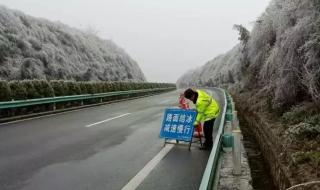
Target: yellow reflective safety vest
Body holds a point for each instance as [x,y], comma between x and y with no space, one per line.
[207,107]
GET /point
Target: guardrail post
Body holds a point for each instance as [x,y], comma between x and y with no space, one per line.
[235,121]
[54,106]
[100,100]
[81,103]
[228,129]
[227,138]
[236,152]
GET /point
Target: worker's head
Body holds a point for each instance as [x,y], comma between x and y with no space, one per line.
[189,94]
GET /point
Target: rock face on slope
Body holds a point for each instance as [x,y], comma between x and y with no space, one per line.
[33,48]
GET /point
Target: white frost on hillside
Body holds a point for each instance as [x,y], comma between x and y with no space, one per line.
[37,48]
[222,69]
[281,56]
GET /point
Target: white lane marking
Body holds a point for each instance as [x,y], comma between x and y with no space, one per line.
[39,117]
[52,114]
[90,125]
[138,179]
[70,111]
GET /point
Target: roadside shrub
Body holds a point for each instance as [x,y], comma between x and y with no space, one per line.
[31,89]
[83,88]
[98,87]
[5,90]
[56,87]
[77,88]
[94,87]
[18,91]
[133,86]
[90,88]
[116,86]
[301,113]
[302,157]
[140,86]
[28,89]
[31,92]
[123,86]
[43,88]
[295,115]
[106,87]
[73,88]
[111,86]
[305,130]
[128,86]
[59,87]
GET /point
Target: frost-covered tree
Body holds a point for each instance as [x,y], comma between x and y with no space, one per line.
[244,34]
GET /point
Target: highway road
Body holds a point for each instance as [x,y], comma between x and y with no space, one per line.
[99,148]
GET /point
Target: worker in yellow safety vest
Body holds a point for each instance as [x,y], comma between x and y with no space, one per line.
[207,111]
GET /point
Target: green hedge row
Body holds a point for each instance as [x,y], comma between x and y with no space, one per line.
[29,89]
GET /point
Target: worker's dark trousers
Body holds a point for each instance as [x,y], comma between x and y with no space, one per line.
[208,129]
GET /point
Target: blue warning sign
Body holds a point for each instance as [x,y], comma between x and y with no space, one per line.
[178,124]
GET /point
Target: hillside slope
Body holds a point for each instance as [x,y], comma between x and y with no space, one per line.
[274,73]
[222,69]
[37,48]
[281,55]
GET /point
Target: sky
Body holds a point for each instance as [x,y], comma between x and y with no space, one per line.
[166,37]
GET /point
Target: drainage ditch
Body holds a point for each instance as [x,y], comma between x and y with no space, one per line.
[260,172]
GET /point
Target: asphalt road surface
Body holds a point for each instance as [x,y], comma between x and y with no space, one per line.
[99,148]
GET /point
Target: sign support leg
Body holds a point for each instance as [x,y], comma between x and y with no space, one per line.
[165,142]
[191,140]
[190,144]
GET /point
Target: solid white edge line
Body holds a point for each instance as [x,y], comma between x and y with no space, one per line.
[93,124]
[142,174]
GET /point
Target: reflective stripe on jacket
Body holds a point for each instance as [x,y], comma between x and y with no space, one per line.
[207,107]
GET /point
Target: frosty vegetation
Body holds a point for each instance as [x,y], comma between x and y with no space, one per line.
[16,90]
[275,72]
[280,57]
[222,69]
[33,48]
[31,89]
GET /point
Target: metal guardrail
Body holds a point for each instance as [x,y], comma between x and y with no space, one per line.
[52,100]
[208,176]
